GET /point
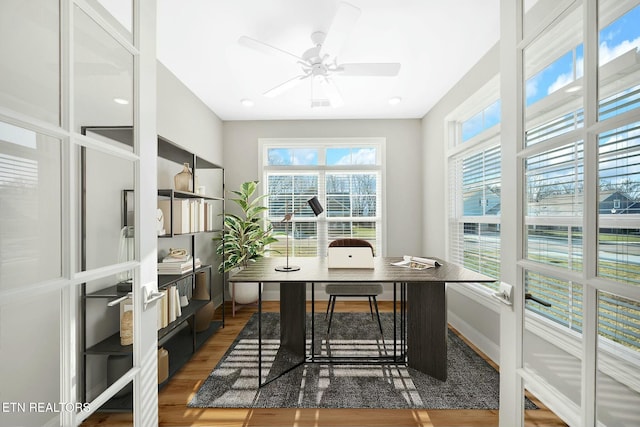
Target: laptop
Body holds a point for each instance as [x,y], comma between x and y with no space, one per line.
[349,257]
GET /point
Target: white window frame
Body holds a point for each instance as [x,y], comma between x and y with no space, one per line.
[379,143]
[458,148]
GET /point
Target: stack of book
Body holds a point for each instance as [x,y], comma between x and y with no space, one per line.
[169,307]
[177,265]
[189,215]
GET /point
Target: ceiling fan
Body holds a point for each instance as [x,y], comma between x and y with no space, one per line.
[320,64]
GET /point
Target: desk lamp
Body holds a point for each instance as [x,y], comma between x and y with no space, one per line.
[317,209]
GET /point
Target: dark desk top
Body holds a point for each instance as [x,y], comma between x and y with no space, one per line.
[314,269]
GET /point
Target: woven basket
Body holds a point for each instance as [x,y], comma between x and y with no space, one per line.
[126,328]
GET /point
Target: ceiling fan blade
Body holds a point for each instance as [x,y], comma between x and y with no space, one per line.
[389,69]
[331,92]
[340,28]
[283,87]
[267,48]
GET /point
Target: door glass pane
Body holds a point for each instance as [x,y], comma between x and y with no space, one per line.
[107,340]
[109,230]
[30,196]
[552,340]
[619,204]
[553,80]
[619,72]
[122,11]
[30,353]
[555,184]
[30,52]
[617,378]
[103,76]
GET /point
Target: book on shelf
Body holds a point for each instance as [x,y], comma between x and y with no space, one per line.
[178,267]
[181,216]
[189,215]
[163,310]
[171,306]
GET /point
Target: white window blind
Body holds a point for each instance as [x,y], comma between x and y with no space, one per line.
[474,211]
[346,176]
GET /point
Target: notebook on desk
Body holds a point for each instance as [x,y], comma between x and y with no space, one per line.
[349,257]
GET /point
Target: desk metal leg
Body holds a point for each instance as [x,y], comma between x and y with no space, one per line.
[395,309]
[313,321]
[259,334]
[403,310]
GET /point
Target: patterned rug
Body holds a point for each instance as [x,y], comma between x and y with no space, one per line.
[471,382]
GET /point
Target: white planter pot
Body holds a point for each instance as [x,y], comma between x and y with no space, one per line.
[244,292]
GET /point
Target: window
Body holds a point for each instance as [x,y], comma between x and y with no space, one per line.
[345,174]
[474,219]
[485,119]
[554,174]
[619,207]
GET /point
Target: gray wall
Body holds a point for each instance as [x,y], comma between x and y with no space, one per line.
[188,122]
[185,120]
[403,170]
[475,320]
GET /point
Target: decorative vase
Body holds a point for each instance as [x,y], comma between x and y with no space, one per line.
[183,180]
[163,365]
[201,291]
[203,317]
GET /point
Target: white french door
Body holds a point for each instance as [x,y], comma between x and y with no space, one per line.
[68,64]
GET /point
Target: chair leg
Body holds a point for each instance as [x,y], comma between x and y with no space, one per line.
[333,306]
[375,301]
[370,308]
[233,300]
[326,314]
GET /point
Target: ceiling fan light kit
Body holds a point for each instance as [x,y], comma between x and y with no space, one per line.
[320,61]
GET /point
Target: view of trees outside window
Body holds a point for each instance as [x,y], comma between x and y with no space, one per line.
[347,181]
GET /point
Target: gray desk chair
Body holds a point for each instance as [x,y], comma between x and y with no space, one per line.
[370,290]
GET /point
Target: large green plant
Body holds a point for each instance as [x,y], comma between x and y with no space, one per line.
[244,238]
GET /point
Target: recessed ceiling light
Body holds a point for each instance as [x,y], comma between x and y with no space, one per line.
[395,100]
[246,103]
[121,101]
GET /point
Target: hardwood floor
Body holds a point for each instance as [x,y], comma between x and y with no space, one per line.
[173,398]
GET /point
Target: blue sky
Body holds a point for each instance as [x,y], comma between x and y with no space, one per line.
[334,156]
[616,39]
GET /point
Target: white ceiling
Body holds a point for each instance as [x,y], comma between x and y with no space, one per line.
[436,42]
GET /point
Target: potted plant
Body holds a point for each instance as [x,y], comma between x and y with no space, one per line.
[244,239]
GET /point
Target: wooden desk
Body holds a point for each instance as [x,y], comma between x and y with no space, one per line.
[425,301]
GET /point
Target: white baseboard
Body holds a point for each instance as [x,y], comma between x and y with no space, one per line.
[488,347]
[557,402]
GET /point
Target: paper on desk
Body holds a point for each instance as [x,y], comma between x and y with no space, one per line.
[417,263]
